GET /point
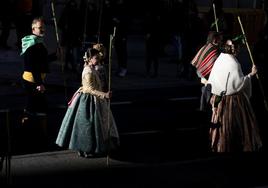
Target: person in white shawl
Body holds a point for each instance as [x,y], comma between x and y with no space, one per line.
[235,122]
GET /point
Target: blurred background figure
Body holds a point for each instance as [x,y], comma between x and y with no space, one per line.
[115,16]
[71,26]
[120,19]
[6,16]
[153,39]
[193,37]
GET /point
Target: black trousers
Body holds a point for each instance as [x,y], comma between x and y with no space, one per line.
[36,101]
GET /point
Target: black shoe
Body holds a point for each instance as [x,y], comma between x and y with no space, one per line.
[85,154]
[80,154]
[88,155]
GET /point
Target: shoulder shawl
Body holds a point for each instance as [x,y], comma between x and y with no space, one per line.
[227,78]
[28,41]
[205,58]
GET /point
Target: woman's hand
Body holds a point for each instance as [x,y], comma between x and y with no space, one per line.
[41,88]
[108,95]
[253,70]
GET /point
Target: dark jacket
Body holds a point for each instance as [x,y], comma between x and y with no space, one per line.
[36,61]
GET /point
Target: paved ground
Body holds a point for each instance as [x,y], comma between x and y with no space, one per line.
[66,169]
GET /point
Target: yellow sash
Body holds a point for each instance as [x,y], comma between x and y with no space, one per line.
[28,76]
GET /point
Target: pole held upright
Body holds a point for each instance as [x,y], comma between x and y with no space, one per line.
[253,63]
[215,17]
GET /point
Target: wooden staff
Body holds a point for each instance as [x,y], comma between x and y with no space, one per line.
[55,21]
[109,89]
[215,17]
[110,57]
[58,46]
[253,63]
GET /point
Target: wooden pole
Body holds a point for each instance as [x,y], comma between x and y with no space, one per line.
[215,17]
[110,57]
[55,21]
[253,63]
[109,89]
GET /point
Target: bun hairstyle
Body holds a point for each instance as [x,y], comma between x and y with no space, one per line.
[102,50]
[89,54]
[232,46]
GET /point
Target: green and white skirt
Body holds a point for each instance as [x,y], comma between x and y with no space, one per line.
[85,126]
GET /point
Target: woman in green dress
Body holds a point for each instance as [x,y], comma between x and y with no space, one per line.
[88,125]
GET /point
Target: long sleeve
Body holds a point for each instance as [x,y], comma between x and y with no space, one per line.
[91,83]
